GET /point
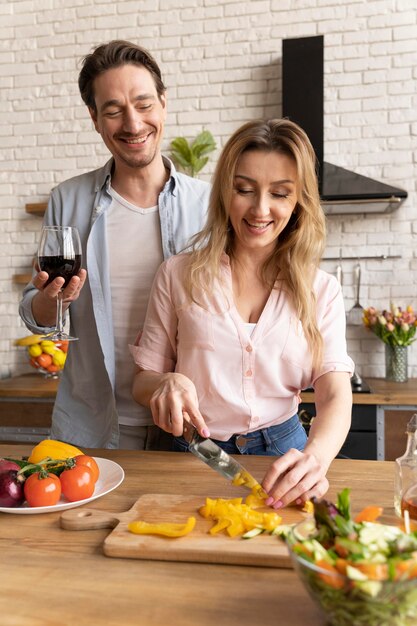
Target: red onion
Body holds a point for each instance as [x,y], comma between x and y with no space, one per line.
[11,489]
[8,465]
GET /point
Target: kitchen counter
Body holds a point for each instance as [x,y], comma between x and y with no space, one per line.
[26,404]
[379,418]
[29,386]
[383,391]
[60,577]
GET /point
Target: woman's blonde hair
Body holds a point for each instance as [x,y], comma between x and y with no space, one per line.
[300,245]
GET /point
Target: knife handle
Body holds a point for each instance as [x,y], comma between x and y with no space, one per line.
[190,432]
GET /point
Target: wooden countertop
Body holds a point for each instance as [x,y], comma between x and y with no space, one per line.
[57,576]
[28,386]
[382,391]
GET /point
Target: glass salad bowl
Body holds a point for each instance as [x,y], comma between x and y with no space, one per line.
[344,602]
[366,576]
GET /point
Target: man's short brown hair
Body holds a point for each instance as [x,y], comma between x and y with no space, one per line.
[114,54]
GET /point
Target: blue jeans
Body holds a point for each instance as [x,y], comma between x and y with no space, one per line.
[272,441]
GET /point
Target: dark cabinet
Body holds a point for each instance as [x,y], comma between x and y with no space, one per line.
[361,442]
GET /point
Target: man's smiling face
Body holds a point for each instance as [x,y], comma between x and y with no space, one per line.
[129,115]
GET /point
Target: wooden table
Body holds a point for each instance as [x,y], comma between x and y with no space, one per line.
[55,577]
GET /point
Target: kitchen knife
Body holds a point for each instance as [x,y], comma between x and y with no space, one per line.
[216,458]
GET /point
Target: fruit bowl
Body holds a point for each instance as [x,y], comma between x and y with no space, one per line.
[46,356]
[371,600]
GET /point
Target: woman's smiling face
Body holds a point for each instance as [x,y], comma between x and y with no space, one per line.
[263,199]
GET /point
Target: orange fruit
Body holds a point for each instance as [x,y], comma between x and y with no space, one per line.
[44,360]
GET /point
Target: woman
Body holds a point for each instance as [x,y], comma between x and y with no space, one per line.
[236,328]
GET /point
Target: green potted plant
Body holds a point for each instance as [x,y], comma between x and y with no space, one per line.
[190,156]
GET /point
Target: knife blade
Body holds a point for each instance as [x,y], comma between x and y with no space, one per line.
[212,455]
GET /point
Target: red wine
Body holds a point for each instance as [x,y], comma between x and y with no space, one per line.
[60,266]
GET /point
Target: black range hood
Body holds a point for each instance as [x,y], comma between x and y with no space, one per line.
[341,190]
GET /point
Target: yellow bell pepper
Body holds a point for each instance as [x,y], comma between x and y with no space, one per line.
[53,449]
[308,507]
[236,517]
[244,479]
[222,524]
[166,529]
[254,501]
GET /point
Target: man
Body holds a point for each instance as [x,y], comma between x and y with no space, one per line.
[131,214]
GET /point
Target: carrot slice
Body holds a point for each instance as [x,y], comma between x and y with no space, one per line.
[369,514]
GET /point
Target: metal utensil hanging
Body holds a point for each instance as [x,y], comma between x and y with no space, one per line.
[339,270]
[354,316]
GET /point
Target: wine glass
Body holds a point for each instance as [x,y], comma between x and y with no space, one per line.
[59,254]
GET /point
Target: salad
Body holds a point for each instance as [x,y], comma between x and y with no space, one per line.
[362,573]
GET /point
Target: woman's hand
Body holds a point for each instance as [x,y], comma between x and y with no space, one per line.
[174,400]
[298,476]
[295,477]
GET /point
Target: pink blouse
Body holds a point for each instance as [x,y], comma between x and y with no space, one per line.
[244,382]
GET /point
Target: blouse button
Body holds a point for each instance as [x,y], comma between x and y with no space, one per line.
[248,373]
[249,348]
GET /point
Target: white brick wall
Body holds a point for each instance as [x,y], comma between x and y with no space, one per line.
[221,61]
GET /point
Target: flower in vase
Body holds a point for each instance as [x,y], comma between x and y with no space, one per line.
[395,327]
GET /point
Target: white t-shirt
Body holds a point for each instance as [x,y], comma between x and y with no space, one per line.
[250,327]
[135,252]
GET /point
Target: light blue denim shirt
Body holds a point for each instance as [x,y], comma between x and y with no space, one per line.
[85,412]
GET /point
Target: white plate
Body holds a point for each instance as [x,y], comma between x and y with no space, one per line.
[111,475]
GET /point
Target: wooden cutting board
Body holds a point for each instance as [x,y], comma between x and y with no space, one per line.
[199,546]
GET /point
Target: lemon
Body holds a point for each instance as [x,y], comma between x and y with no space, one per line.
[49,349]
[48,346]
[58,358]
[35,350]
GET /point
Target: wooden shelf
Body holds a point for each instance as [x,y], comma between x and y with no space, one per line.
[22,279]
[34,208]
[37,208]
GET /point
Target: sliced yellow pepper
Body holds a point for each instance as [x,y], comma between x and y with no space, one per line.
[254,501]
[53,449]
[222,524]
[246,480]
[236,527]
[308,507]
[166,529]
[236,517]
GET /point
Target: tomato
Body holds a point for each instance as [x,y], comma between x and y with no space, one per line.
[89,461]
[42,491]
[77,483]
